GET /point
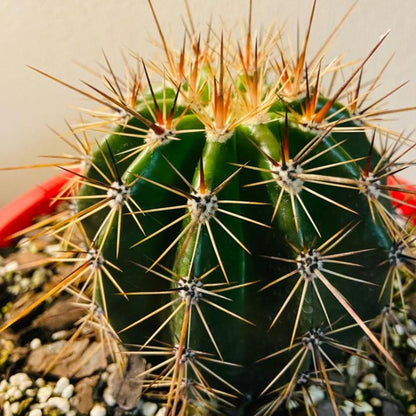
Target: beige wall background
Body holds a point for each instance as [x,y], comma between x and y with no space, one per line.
[53,35]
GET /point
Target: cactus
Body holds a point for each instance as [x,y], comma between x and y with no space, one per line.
[235,225]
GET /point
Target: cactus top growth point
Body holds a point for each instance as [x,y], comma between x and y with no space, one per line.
[235,224]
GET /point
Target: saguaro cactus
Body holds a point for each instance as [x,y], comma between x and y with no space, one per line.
[236,222]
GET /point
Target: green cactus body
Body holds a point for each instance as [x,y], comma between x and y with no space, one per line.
[224,235]
[246,219]
[244,241]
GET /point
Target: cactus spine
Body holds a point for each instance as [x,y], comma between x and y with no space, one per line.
[238,227]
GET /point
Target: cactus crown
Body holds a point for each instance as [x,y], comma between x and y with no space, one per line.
[236,219]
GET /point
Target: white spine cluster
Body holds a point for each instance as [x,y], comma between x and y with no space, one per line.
[308,262]
[95,258]
[370,186]
[118,194]
[154,137]
[287,177]
[203,207]
[190,290]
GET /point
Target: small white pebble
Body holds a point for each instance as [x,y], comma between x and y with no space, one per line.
[59,335]
[38,278]
[30,392]
[161,412]
[411,341]
[4,385]
[346,410]
[60,385]
[68,391]
[149,409]
[399,329]
[20,380]
[15,379]
[108,397]
[349,404]
[376,402]
[411,409]
[292,404]
[316,394]
[59,403]
[13,290]
[352,365]
[395,340]
[40,382]
[25,283]
[363,407]
[35,412]
[44,393]
[18,394]
[98,410]
[411,325]
[35,343]
[370,378]
[6,409]
[13,394]
[358,395]
[11,266]
[14,408]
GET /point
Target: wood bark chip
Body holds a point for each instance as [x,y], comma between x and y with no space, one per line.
[127,388]
[60,315]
